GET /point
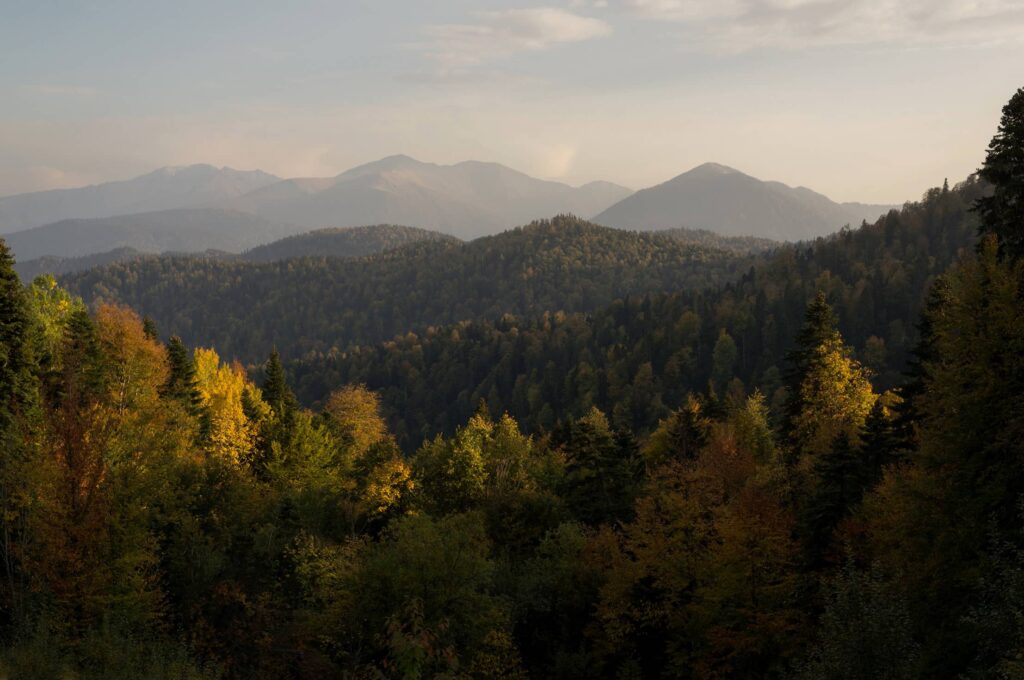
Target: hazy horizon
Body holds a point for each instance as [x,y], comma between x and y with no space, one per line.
[862,101]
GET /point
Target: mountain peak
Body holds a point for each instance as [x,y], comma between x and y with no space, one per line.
[721,199]
[712,170]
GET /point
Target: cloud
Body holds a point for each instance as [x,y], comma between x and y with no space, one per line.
[499,34]
[740,25]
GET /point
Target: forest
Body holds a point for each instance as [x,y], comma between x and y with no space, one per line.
[315,303]
[654,460]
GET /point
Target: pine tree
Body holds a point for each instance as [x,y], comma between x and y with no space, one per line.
[15,350]
[16,395]
[181,383]
[880,445]
[819,328]
[1002,213]
[839,488]
[149,328]
[275,387]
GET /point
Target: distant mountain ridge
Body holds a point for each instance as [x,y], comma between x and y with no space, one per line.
[183,230]
[163,189]
[467,199]
[724,200]
[340,243]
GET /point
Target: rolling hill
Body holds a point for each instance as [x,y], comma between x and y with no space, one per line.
[731,203]
[314,303]
[343,242]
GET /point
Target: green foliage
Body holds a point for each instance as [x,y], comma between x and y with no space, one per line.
[1002,213]
[637,358]
[865,631]
[618,494]
[312,304]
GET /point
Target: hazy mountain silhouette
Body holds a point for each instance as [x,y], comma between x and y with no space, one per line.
[731,203]
[185,230]
[163,189]
[467,200]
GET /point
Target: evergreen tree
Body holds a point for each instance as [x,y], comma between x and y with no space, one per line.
[819,328]
[602,469]
[16,395]
[275,387]
[880,444]
[865,632]
[1002,213]
[181,382]
[829,390]
[839,487]
[149,328]
[15,349]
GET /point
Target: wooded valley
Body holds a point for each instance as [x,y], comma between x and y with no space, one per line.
[564,451]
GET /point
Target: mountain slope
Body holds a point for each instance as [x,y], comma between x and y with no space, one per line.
[343,242]
[728,202]
[308,304]
[184,230]
[467,199]
[637,358]
[163,189]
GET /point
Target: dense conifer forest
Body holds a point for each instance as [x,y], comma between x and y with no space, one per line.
[626,457]
[316,303]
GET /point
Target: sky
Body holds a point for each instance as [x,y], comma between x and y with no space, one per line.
[866,100]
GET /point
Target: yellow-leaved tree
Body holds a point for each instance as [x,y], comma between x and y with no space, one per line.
[224,388]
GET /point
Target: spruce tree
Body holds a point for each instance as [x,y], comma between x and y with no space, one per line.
[17,387]
[15,351]
[276,392]
[840,486]
[181,383]
[818,330]
[880,444]
[1002,213]
[149,328]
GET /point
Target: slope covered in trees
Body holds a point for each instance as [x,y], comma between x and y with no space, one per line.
[164,516]
[638,357]
[312,304]
[343,242]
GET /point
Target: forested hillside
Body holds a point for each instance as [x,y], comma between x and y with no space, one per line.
[343,242]
[165,515]
[315,303]
[638,357]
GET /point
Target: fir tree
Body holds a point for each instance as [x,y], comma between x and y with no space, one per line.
[819,329]
[181,383]
[1002,213]
[16,395]
[840,486]
[149,328]
[275,387]
[15,351]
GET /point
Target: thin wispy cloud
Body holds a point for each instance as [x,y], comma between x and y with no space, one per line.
[739,25]
[499,34]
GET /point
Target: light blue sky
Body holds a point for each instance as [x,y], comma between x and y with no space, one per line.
[871,100]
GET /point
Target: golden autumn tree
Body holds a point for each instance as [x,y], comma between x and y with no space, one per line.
[223,389]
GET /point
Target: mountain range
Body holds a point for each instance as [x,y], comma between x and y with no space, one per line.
[467,200]
[163,189]
[731,203]
[200,207]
